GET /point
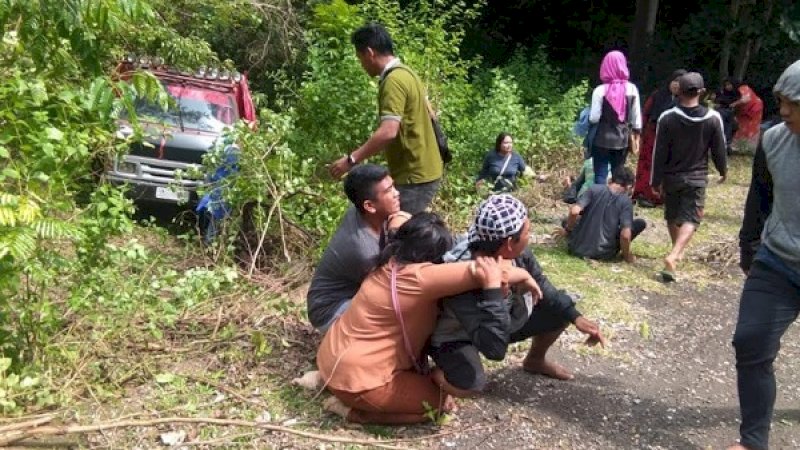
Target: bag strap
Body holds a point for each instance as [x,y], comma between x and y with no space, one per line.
[428,106]
[505,165]
[396,305]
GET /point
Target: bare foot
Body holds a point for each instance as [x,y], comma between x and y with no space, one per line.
[336,406]
[737,447]
[669,264]
[548,369]
[310,380]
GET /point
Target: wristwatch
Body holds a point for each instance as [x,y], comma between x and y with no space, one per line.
[351,160]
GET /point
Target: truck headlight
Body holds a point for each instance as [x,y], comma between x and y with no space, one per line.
[127,167]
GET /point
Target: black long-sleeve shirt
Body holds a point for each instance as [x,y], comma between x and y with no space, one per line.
[684,138]
[484,317]
[756,209]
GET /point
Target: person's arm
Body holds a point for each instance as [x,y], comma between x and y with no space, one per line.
[445,280]
[563,303]
[575,210]
[597,104]
[756,209]
[572,219]
[484,172]
[636,112]
[719,152]
[660,151]
[386,133]
[484,316]
[626,233]
[520,164]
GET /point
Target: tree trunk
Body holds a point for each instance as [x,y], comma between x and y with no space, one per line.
[644,25]
[752,44]
[727,40]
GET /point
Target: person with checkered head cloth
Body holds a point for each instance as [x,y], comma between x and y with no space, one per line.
[487,321]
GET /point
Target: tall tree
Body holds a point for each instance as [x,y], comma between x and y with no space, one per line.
[644,26]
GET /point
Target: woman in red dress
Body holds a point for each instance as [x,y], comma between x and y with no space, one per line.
[749,112]
[659,101]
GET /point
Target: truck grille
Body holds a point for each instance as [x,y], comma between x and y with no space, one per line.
[153,172]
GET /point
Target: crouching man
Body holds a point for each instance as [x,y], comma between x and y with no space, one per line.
[486,321]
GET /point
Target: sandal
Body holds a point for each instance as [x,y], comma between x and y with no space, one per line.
[667,276]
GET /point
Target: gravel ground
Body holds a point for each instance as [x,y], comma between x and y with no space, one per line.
[675,389]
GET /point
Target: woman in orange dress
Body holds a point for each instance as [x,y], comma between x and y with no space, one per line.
[749,112]
[371,359]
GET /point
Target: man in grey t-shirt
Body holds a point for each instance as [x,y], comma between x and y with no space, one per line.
[351,252]
[606,223]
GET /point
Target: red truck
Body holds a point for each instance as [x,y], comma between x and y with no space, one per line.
[206,101]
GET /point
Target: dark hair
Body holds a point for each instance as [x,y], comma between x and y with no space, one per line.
[423,238]
[374,36]
[491,247]
[622,176]
[675,75]
[359,184]
[499,140]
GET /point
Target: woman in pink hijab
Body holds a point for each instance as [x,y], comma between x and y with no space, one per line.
[616,112]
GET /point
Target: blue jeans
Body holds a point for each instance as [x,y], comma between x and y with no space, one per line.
[602,157]
[770,303]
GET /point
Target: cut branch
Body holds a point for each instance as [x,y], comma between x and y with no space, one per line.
[31,429]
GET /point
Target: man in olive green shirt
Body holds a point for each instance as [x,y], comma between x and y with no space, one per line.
[405,131]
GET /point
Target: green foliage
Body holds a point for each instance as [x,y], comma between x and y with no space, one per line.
[335,109]
[57,109]
[20,389]
[273,191]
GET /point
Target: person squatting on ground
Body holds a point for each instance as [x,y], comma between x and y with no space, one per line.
[615,109]
[486,321]
[685,136]
[371,359]
[351,252]
[770,257]
[404,131]
[601,224]
[501,166]
[660,100]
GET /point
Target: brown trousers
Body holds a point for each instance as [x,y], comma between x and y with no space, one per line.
[401,401]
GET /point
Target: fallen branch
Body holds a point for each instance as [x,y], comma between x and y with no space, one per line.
[33,431]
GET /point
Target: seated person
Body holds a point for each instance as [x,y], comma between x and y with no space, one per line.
[357,242]
[601,223]
[501,166]
[486,321]
[585,179]
[372,359]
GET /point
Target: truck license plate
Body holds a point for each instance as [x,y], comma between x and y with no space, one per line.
[169,193]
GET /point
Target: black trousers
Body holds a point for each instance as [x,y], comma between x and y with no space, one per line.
[770,303]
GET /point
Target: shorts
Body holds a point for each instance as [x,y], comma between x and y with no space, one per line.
[683,202]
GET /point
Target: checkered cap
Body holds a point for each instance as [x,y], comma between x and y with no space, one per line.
[498,217]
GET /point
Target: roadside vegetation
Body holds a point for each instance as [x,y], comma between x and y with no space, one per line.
[104,318]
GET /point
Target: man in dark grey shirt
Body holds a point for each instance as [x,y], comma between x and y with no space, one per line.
[601,223]
[351,252]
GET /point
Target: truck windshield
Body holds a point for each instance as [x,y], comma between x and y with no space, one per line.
[193,108]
